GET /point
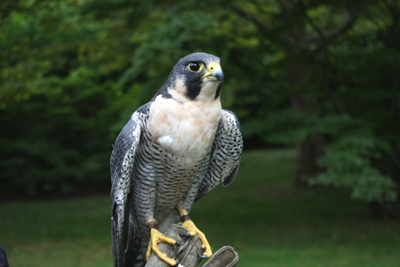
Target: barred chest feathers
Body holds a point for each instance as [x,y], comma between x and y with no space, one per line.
[184,129]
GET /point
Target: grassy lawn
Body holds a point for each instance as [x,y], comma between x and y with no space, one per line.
[261,215]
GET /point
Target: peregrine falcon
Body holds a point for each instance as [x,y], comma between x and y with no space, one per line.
[172,152]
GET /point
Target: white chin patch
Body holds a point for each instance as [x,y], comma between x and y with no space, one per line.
[208,89]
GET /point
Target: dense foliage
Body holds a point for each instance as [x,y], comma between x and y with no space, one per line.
[72,72]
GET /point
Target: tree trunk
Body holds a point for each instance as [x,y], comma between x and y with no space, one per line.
[307,151]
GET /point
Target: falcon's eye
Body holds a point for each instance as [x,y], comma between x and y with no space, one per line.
[195,67]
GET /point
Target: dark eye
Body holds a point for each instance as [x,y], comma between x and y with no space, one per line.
[195,66]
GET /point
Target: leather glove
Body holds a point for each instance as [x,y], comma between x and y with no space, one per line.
[189,251]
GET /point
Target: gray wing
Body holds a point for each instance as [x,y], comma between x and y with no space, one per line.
[121,163]
[225,154]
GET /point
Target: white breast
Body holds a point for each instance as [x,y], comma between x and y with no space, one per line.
[185,129]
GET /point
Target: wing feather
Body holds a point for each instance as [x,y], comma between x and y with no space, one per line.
[225,154]
[121,164]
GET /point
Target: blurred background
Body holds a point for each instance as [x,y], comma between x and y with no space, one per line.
[314,83]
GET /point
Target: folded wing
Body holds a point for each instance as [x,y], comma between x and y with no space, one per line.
[121,163]
[225,154]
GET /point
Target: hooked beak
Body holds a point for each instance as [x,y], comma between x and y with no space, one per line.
[214,72]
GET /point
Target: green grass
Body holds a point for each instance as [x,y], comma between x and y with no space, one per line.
[261,215]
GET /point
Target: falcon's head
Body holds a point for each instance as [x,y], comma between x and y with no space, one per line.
[196,77]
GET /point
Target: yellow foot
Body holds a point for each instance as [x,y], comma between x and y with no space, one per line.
[194,231]
[155,238]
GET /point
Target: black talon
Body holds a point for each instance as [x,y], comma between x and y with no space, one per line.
[176,243]
[202,256]
[186,235]
[177,263]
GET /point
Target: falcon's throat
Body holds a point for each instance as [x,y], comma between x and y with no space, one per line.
[209,90]
[183,126]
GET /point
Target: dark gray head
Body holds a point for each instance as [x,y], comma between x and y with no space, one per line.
[196,77]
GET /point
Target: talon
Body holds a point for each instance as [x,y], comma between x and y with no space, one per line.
[186,235]
[202,256]
[207,254]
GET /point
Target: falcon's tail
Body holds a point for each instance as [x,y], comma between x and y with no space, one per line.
[129,255]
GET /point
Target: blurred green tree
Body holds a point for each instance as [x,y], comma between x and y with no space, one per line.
[318,74]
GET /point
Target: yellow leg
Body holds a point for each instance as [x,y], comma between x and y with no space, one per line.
[193,230]
[155,238]
[182,211]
